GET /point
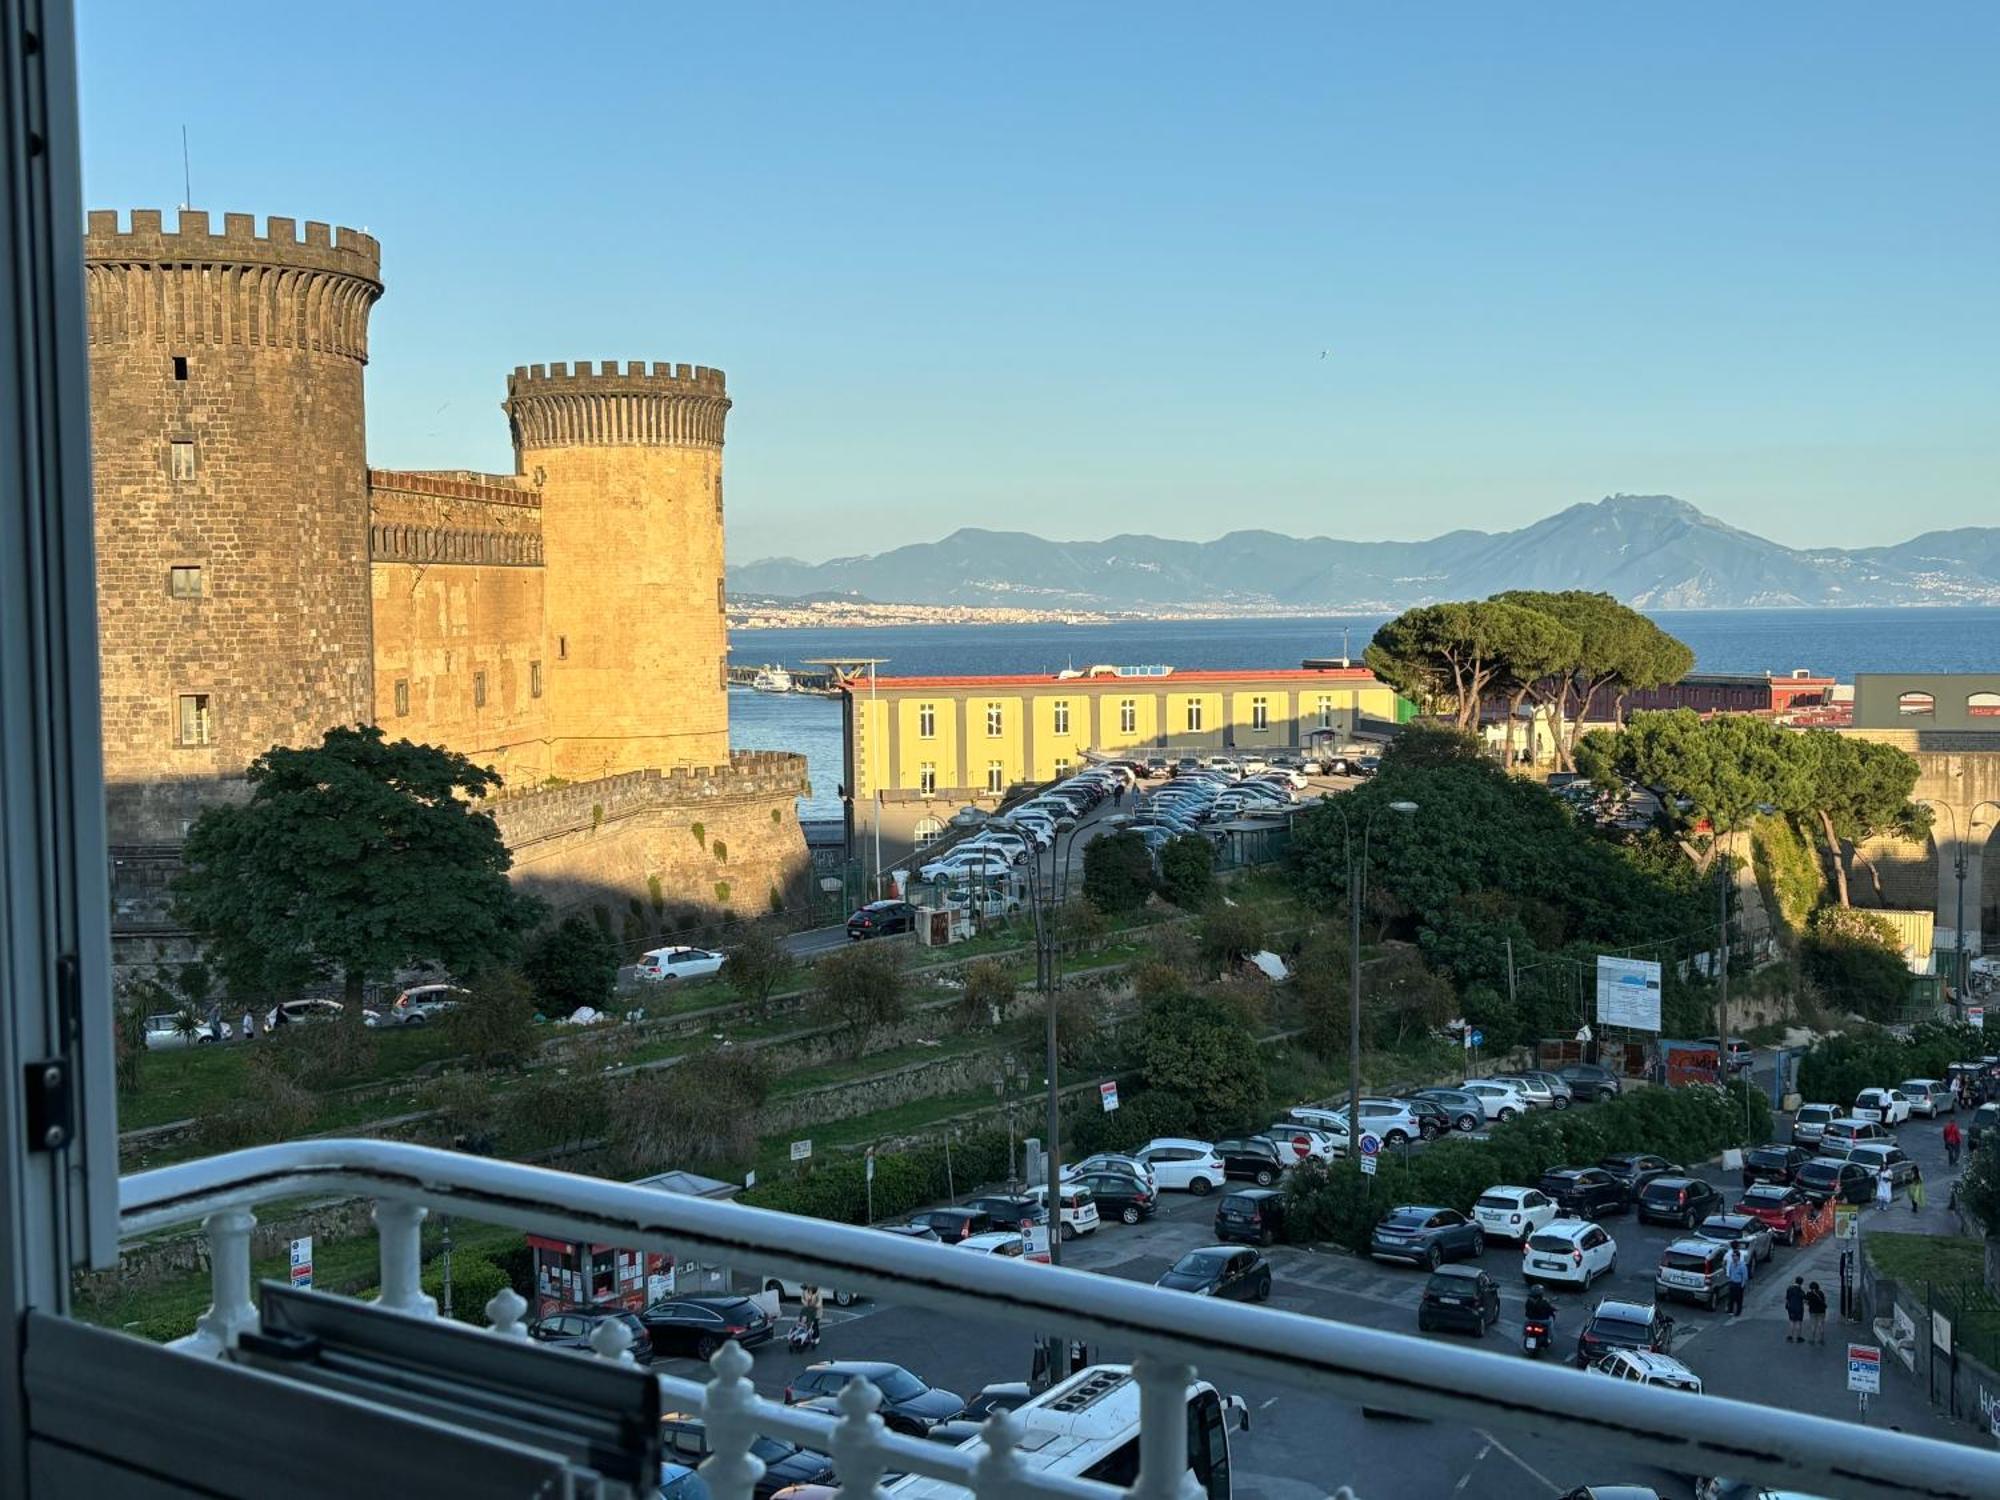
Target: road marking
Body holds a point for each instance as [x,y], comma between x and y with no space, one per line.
[1554,1488]
[1466,1477]
[1267,1405]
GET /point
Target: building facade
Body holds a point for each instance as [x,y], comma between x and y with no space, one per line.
[259,583]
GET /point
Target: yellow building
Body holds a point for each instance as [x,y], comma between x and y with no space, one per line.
[919,748]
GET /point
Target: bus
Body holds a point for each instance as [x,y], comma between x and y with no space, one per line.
[1088,1428]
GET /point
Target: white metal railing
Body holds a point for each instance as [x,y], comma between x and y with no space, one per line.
[1168,1334]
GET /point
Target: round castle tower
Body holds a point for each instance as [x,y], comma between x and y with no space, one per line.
[231,475]
[629,466]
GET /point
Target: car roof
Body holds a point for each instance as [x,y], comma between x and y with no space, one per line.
[854,1366]
[989,1239]
[1569,1229]
[1458,1272]
[1655,1363]
[1693,1245]
[1670,1181]
[1632,1312]
[1506,1188]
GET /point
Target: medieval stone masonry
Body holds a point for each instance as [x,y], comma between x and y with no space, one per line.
[258,582]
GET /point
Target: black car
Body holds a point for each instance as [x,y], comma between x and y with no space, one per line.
[1681,1201]
[572,1327]
[954,1224]
[1467,1112]
[1636,1168]
[912,1232]
[1006,1211]
[1774,1161]
[1118,1196]
[702,1325]
[1843,1181]
[881,918]
[1253,1156]
[1984,1118]
[685,1438]
[1433,1119]
[1253,1215]
[1589,1082]
[1429,1236]
[1587,1192]
[1623,1325]
[908,1405]
[1460,1297]
[1221,1271]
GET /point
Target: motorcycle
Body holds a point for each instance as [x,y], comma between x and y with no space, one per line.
[1537,1334]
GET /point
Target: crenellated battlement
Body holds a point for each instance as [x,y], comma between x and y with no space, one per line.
[661,405]
[322,247]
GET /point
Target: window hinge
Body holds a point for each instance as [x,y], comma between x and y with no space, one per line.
[47,1091]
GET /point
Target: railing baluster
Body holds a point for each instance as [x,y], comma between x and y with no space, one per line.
[857,1441]
[1163,1429]
[230,1309]
[504,1313]
[728,1407]
[399,1226]
[1000,1474]
[612,1340]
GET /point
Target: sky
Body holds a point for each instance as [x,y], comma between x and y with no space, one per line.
[1336,269]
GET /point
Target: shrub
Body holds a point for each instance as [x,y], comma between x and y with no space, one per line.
[988,992]
[495,1023]
[475,1281]
[757,964]
[271,1105]
[1187,872]
[1836,1068]
[860,988]
[700,1114]
[1231,933]
[1193,1046]
[572,964]
[1117,872]
[836,1188]
[1851,956]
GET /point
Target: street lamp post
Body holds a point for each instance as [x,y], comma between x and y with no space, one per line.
[1357,875]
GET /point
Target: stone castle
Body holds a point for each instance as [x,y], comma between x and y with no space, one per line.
[259,583]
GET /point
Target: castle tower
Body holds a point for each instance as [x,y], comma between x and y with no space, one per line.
[629,467]
[232,499]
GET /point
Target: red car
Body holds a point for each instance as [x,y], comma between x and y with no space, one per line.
[1780,1207]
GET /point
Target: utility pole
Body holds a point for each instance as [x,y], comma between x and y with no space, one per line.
[1725,872]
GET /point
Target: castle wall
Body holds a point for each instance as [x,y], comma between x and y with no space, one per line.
[458,604]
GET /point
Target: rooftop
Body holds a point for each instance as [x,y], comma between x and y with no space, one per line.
[1351,676]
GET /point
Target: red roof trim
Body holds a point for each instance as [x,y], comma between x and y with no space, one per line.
[1351,676]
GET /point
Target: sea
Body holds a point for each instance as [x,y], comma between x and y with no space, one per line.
[1828,642]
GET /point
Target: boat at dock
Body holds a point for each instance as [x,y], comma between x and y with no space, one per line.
[772,680]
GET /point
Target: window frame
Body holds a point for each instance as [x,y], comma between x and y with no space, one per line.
[204,712]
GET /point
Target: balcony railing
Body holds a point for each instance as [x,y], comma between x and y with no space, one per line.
[1169,1336]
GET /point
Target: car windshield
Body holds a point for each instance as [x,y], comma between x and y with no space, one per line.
[1556,1243]
[899,1385]
[1661,1187]
[1622,1329]
[1819,1171]
[1770,1156]
[1201,1262]
[1408,1218]
[1683,1260]
[1450,1286]
[1816,1114]
[1498,1200]
[1766,1197]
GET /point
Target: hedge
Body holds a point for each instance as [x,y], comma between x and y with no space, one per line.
[1684,1124]
[838,1188]
[1839,1067]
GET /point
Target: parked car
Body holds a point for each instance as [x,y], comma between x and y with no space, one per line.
[1076,1212]
[1773,1162]
[1499,1101]
[1253,1215]
[1464,1298]
[1588,1082]
[571,1328]
[912,1232]
[1643,1367]
[882,919]
[1694,1269]
[662,964]
[1183,1166]
[1928,1097]
[685,1438]
[1120,1196]
[1433,1119]
[1684,1201]
[1782,1208]
[424,1002]
[1468,1111]
[1984,1118]
[301,1012]
[1587,1192]
[1637,1168]
[1254,1157]
[1513,1213]
[789,1291]
[908,1405]
[163,1032]
[1851,1132]
[1540,1094]
[1427,1236]
[1009,1244]
[1569,1252]
[1113,1161]
[702,1325]
[1390,1119]
[953,1225]
[1221,1271]
[1809,1122]
[1884,1160]
[1624,1325]
[1745,1230]
[1842,1181]
[1888,1106]
[1318,1143]
[1741,1053]
[1007,1210]
[679,1482]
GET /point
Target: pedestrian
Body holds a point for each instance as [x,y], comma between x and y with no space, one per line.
[1884,1190]
[249,1026]
[1739,1278]
[1916,1189]
[1795,1311]
[1952,1140]
[810,1302]
[1815,1313]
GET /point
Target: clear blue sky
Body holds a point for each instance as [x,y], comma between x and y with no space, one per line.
[1071,269]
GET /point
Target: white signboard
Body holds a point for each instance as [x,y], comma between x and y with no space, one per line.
[1864,1369]
[1368,1165]
[302,1261]
[1628,993]
[1107,1092]
[801,1150]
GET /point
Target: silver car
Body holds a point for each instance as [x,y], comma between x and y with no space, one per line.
[1538,1093]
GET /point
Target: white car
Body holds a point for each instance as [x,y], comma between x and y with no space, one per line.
[791,1291]
[663,964]
[422,1003]
[1929,1097]
[295,1011]
[1183,1166]
[1644,1367]
[1388,1118]
[1513,1213]
[1004,1242]
[1501,1101]
[1886,1106]
[1568,1252]
[163,1032]
[1079,1209]
[964,864]
[1308,1142]
[1538,1094]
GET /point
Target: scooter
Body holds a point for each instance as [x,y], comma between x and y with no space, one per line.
[1537,1334]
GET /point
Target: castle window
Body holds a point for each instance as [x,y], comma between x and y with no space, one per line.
[180,367]
[479,690]
[534,679]
[402,697]
[927,778]
[718,497]
[721,599]
[1983,705]
[197,725]
[1062,716]
[722,672]
[1128,716]
[1260,713]
[181,459]
[926,721]
[562,648]
[184,582]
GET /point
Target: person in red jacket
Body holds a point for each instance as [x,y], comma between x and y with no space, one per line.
[1952,1138]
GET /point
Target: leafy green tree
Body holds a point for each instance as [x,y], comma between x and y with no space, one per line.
[1194,1047]
[1979,1194]
[1538,647]
[1449,656]
[354,857]
[1418,747]
[1187,871]
[1852,957]
[757,964]
[1716,775]
[494,1024]
[1117,872]
[571,964]
[1319,986]
[1617,650]
[988,993]
[1854,789]
[1229,934]
[858,989]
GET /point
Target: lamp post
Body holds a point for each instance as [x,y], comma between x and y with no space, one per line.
[1357,876]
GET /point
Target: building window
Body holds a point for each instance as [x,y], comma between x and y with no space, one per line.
[1128,716]
[534,679]
[479,690]
[1194,716]
[180,459]
[197,725]
[180,367]
[722,672]
[1260,713]
[993,721]
[721,598]
[1983,705]
[929,831]
[1325,711]
[1062,766]
[402,697]
[1916,705]
[562,648]
[927,778]
[926,721]
[1062,716]
[184,582]
[996,776]
[718,497]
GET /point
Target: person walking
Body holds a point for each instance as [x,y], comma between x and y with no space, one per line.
[1738,1268]
[1953,1138]
[1916,1189]
[1795,1311]
[1884,1190]
[1815,1314]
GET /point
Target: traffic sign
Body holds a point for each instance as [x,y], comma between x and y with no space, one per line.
[801,1150]
[869,1160]
[302,1261]
[1368,1165]
[1371,1143]
[1864,1369]
[1107,1093]
[1302,1146]
[1478,1038]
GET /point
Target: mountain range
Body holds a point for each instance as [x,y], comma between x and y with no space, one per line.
[1652,551]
